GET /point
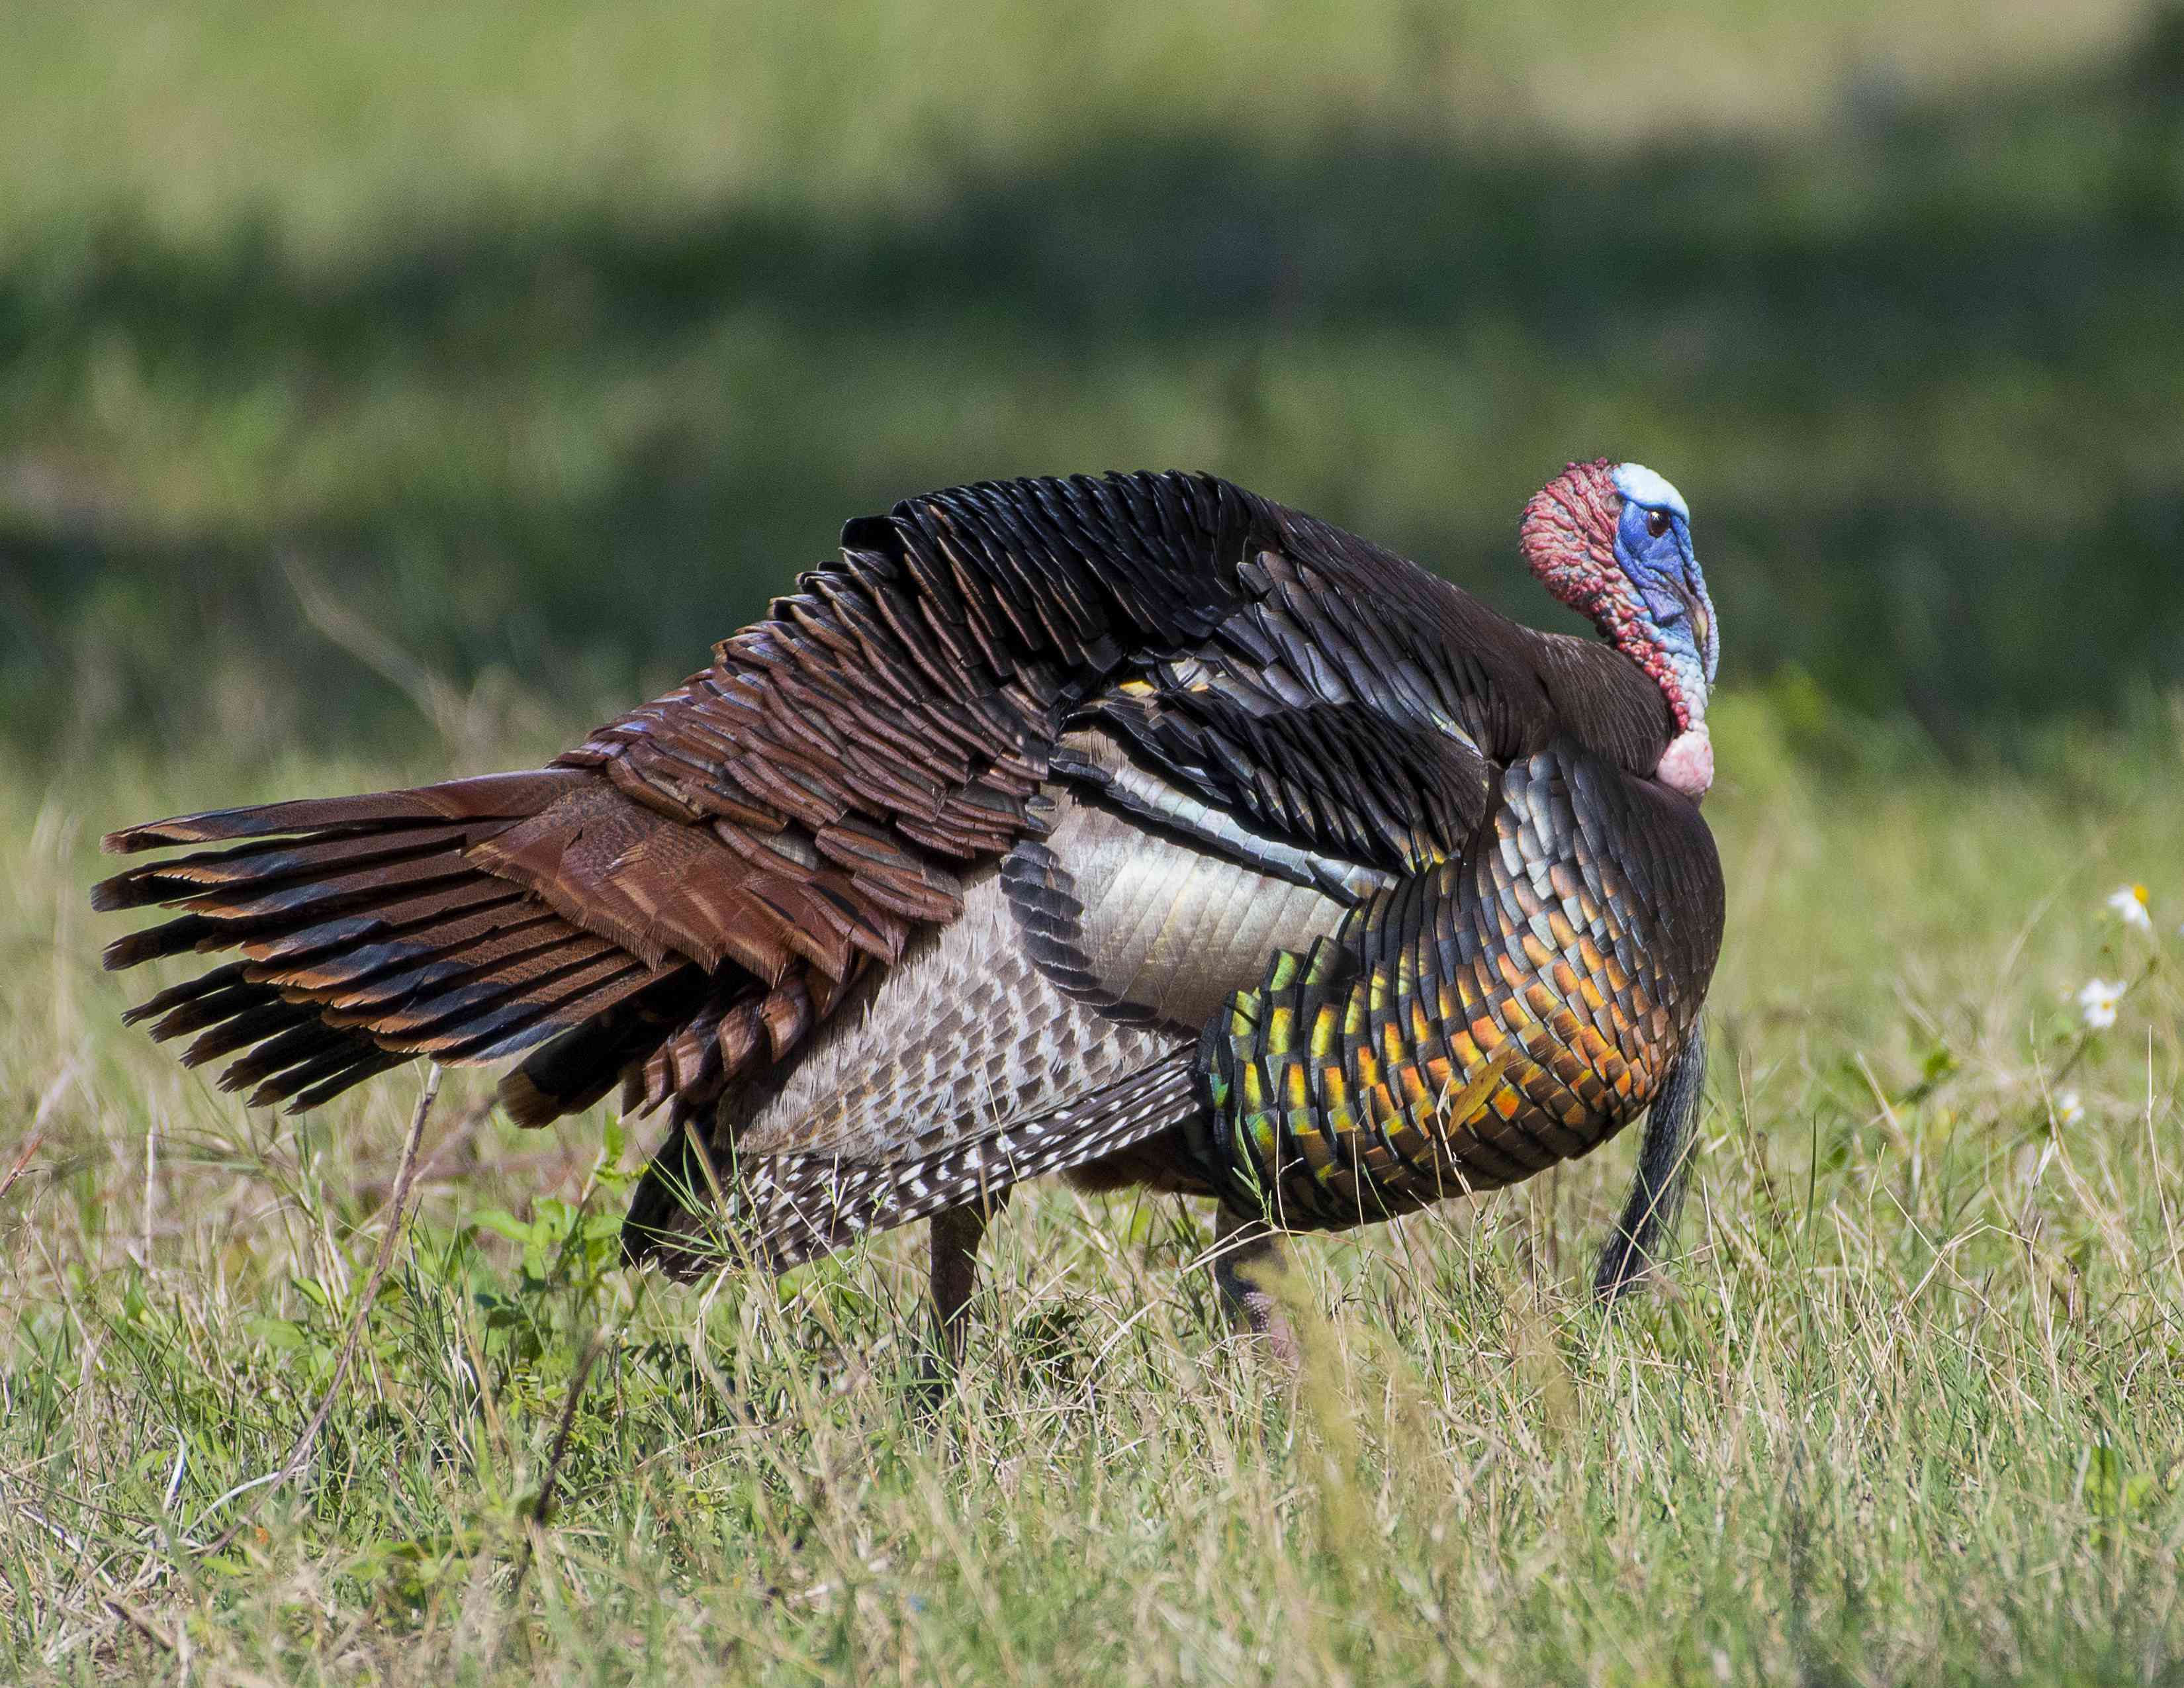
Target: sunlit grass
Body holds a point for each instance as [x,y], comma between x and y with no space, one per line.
[332,127]
[564,335]
[549,340]
[1910,1408]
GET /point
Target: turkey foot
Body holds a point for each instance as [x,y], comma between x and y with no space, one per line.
[1244,1249]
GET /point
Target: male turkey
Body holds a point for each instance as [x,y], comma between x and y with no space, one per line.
[1136,828]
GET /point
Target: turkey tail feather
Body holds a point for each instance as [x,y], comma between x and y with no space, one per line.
[369,932]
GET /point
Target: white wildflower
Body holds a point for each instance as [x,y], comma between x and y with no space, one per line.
[2128,903]
[2098,1001]
[2069,1109]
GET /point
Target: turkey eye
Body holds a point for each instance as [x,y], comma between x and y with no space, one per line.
[1656,523]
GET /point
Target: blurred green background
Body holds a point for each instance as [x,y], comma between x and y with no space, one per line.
[356,357]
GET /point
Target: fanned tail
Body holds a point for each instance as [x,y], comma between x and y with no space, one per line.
[370,932]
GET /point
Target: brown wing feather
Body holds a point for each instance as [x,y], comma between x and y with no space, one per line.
[683,896]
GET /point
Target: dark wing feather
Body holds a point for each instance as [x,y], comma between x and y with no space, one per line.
[1354,705]
[713,867]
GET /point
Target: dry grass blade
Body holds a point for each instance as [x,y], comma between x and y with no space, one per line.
[22,1160]
[142,1622]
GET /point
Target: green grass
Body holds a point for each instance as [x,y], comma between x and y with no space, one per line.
[561,339]
[1911,1409]
[531,349]
[324,124]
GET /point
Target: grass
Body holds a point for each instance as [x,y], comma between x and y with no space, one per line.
[317,123]
[560,338]
[1910,1409]
[533,348]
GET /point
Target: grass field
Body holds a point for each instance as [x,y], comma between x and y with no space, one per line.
[479,365]
[558,341]
[1911,1409]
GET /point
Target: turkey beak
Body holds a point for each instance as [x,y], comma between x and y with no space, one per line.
[1696,613]
[1690,589]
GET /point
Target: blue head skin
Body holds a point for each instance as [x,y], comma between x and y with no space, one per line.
[1654,549]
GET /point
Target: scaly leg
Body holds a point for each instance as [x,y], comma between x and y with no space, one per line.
[1243,1250]
[954,1237]
[1647,1226]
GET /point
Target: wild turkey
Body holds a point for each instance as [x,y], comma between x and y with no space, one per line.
[1136,828]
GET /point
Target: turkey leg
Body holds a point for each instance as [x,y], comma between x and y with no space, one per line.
[1647,1227]
[953,1244]
[1244,1249]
